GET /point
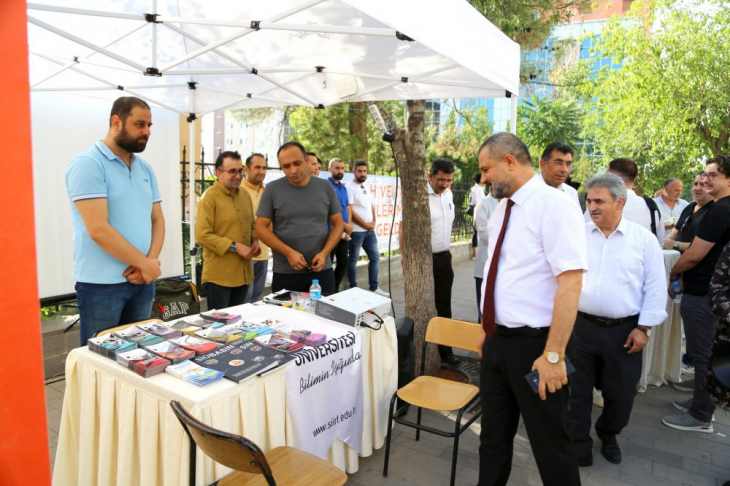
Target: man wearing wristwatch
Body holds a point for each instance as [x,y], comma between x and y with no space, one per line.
[532,280]
[225,229]
[623,296]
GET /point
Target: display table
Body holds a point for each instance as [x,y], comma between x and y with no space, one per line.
[663,352]
[117,428]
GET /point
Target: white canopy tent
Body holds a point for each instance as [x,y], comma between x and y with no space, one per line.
[196,56]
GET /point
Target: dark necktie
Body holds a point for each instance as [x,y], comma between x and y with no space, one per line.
[488,313]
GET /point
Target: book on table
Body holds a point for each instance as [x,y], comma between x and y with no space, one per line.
[243,360]
[196,344]
[136,335]
[171,351]
[109,345]
[222,334]
[183,326]
[194,373]
[159,329]
[220,316]
[143,362]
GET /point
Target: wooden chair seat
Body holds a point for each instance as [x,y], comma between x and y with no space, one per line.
[437,394]
[290,467]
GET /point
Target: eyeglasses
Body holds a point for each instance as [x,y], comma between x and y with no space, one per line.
[234,172]
[709,176]
[562,163]
[444,181]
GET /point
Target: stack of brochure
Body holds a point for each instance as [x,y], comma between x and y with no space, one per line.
[109,345]
[194,373]
[143,362]
[136,335]
[199,346]
[174,353]
[161,330]
[183,326]
[222,334]
[222,317]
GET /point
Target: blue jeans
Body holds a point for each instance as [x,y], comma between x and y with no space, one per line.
[102,306]
[260,267]
[368,241]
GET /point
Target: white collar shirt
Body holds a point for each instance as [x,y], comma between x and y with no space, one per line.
[442,219]
[626,275]
[362,203]
[569,191]
[637,211]
[668,212]
[476,194]
[545,237]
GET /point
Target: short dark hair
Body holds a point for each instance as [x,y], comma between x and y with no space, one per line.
[319,161]
[123,107]
[289,145]
[624,168]
[669,181]
[442,165]
[249,159]
[504,143]
[477,177]
[359,163]
[224,155]
[723,164]
[561,147]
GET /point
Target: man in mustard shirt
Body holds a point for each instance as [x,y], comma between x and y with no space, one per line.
[225,230]
[254,185]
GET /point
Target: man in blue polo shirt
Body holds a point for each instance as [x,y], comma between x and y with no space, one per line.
[337,172]
[118,223]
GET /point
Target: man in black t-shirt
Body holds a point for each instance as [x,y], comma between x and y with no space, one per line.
[685,229]
[694,269]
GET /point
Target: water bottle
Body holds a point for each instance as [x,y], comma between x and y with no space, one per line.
[677,290]
[315,293]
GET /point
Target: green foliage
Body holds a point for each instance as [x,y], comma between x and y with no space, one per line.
[543,120]
[667,107]
[327,133]
[462,133]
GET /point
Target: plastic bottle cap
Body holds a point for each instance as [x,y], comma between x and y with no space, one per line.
[315,281]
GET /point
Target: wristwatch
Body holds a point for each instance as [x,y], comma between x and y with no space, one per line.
[232,248]
[676,246]
[553,357]
[645,330]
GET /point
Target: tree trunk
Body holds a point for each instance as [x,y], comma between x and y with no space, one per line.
[357,115]
[415,236]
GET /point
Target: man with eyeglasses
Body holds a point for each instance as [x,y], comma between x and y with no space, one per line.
[694,270]
[441,204]
[225,230]
[555,165]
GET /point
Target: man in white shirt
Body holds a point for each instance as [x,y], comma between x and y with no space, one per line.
[532,282]
[475,195]
[670,205]
[623,297]
[642,211]
[363,228]
[441,205]
[481,222]
[555,165]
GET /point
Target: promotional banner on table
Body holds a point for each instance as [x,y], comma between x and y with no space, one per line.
[324,395]
[382,192]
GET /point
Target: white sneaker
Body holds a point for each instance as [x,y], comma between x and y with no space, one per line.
[381,292]
[597,398]
[686,369]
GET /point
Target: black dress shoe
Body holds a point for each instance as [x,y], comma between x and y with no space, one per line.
[609,447]
[585,461]
[452,360]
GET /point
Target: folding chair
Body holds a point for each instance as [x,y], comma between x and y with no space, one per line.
[436,393]
[284,466]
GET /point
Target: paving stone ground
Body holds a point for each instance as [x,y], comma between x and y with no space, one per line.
[653,454]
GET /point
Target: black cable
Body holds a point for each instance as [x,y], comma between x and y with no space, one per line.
[381,321]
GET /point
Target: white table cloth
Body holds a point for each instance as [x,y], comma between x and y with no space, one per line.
[117,428]
[662,354]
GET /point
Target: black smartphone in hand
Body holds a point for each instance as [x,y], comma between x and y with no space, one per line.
[533,377]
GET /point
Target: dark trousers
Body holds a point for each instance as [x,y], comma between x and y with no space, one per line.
[300,282]
[699,327]
[504,395]
[599,355]
[443,279]
[220,297]
[479,298]
[340,254]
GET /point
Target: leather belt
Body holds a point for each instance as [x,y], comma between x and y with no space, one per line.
[522,331]
[605,321]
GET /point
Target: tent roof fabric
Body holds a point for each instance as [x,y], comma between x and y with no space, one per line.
[269,53]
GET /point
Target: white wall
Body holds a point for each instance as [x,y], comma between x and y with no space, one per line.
[62,127]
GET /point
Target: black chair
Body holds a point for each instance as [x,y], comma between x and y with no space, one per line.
[285,466]
[436,393]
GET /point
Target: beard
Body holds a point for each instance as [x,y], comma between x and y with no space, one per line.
[338,177]
[361,179]
[500,190]
[131,145]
